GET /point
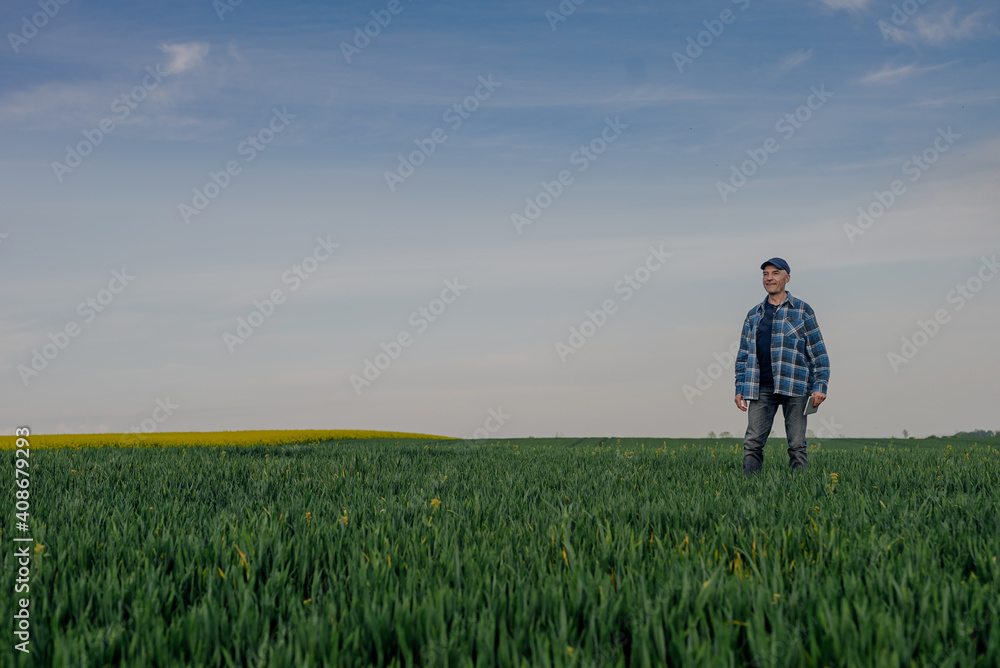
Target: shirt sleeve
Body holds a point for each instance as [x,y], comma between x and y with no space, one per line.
[741,356]
[819,362]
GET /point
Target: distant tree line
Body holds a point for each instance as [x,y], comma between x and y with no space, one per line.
[977,433]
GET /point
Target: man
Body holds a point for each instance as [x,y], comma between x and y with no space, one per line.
[782,362]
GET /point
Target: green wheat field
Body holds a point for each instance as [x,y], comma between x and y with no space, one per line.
[528,552]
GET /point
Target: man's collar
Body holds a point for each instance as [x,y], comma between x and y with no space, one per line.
[788,298]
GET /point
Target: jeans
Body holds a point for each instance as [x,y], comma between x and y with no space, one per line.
[760,417]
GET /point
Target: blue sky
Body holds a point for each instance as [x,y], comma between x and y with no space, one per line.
[647,151]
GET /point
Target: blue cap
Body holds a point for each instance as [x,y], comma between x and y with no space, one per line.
[777,262]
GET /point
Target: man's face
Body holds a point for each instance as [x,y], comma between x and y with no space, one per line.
[775,279]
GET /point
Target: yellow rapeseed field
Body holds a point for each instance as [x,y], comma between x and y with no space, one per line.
[204,438]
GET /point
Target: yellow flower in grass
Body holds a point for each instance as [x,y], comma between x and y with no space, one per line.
[435,503]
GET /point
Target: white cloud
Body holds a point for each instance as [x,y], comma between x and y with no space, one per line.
[794,59]
[940,29]
[889,73]
[184,56]
[57,104]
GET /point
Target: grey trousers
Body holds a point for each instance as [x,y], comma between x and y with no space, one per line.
[760,417]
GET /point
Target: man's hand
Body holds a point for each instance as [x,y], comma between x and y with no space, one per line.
[818,398]
[741,403]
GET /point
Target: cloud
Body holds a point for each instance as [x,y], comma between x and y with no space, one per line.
[889,73]
[939,29]
[849,5]
[184,56]
[794,59]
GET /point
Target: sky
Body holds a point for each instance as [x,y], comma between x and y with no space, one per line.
[492,219]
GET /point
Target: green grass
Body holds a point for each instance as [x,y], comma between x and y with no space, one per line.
[541,552]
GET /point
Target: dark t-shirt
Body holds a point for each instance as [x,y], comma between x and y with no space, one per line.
[764,345]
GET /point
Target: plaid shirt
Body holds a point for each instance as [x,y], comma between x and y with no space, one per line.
[798,356]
